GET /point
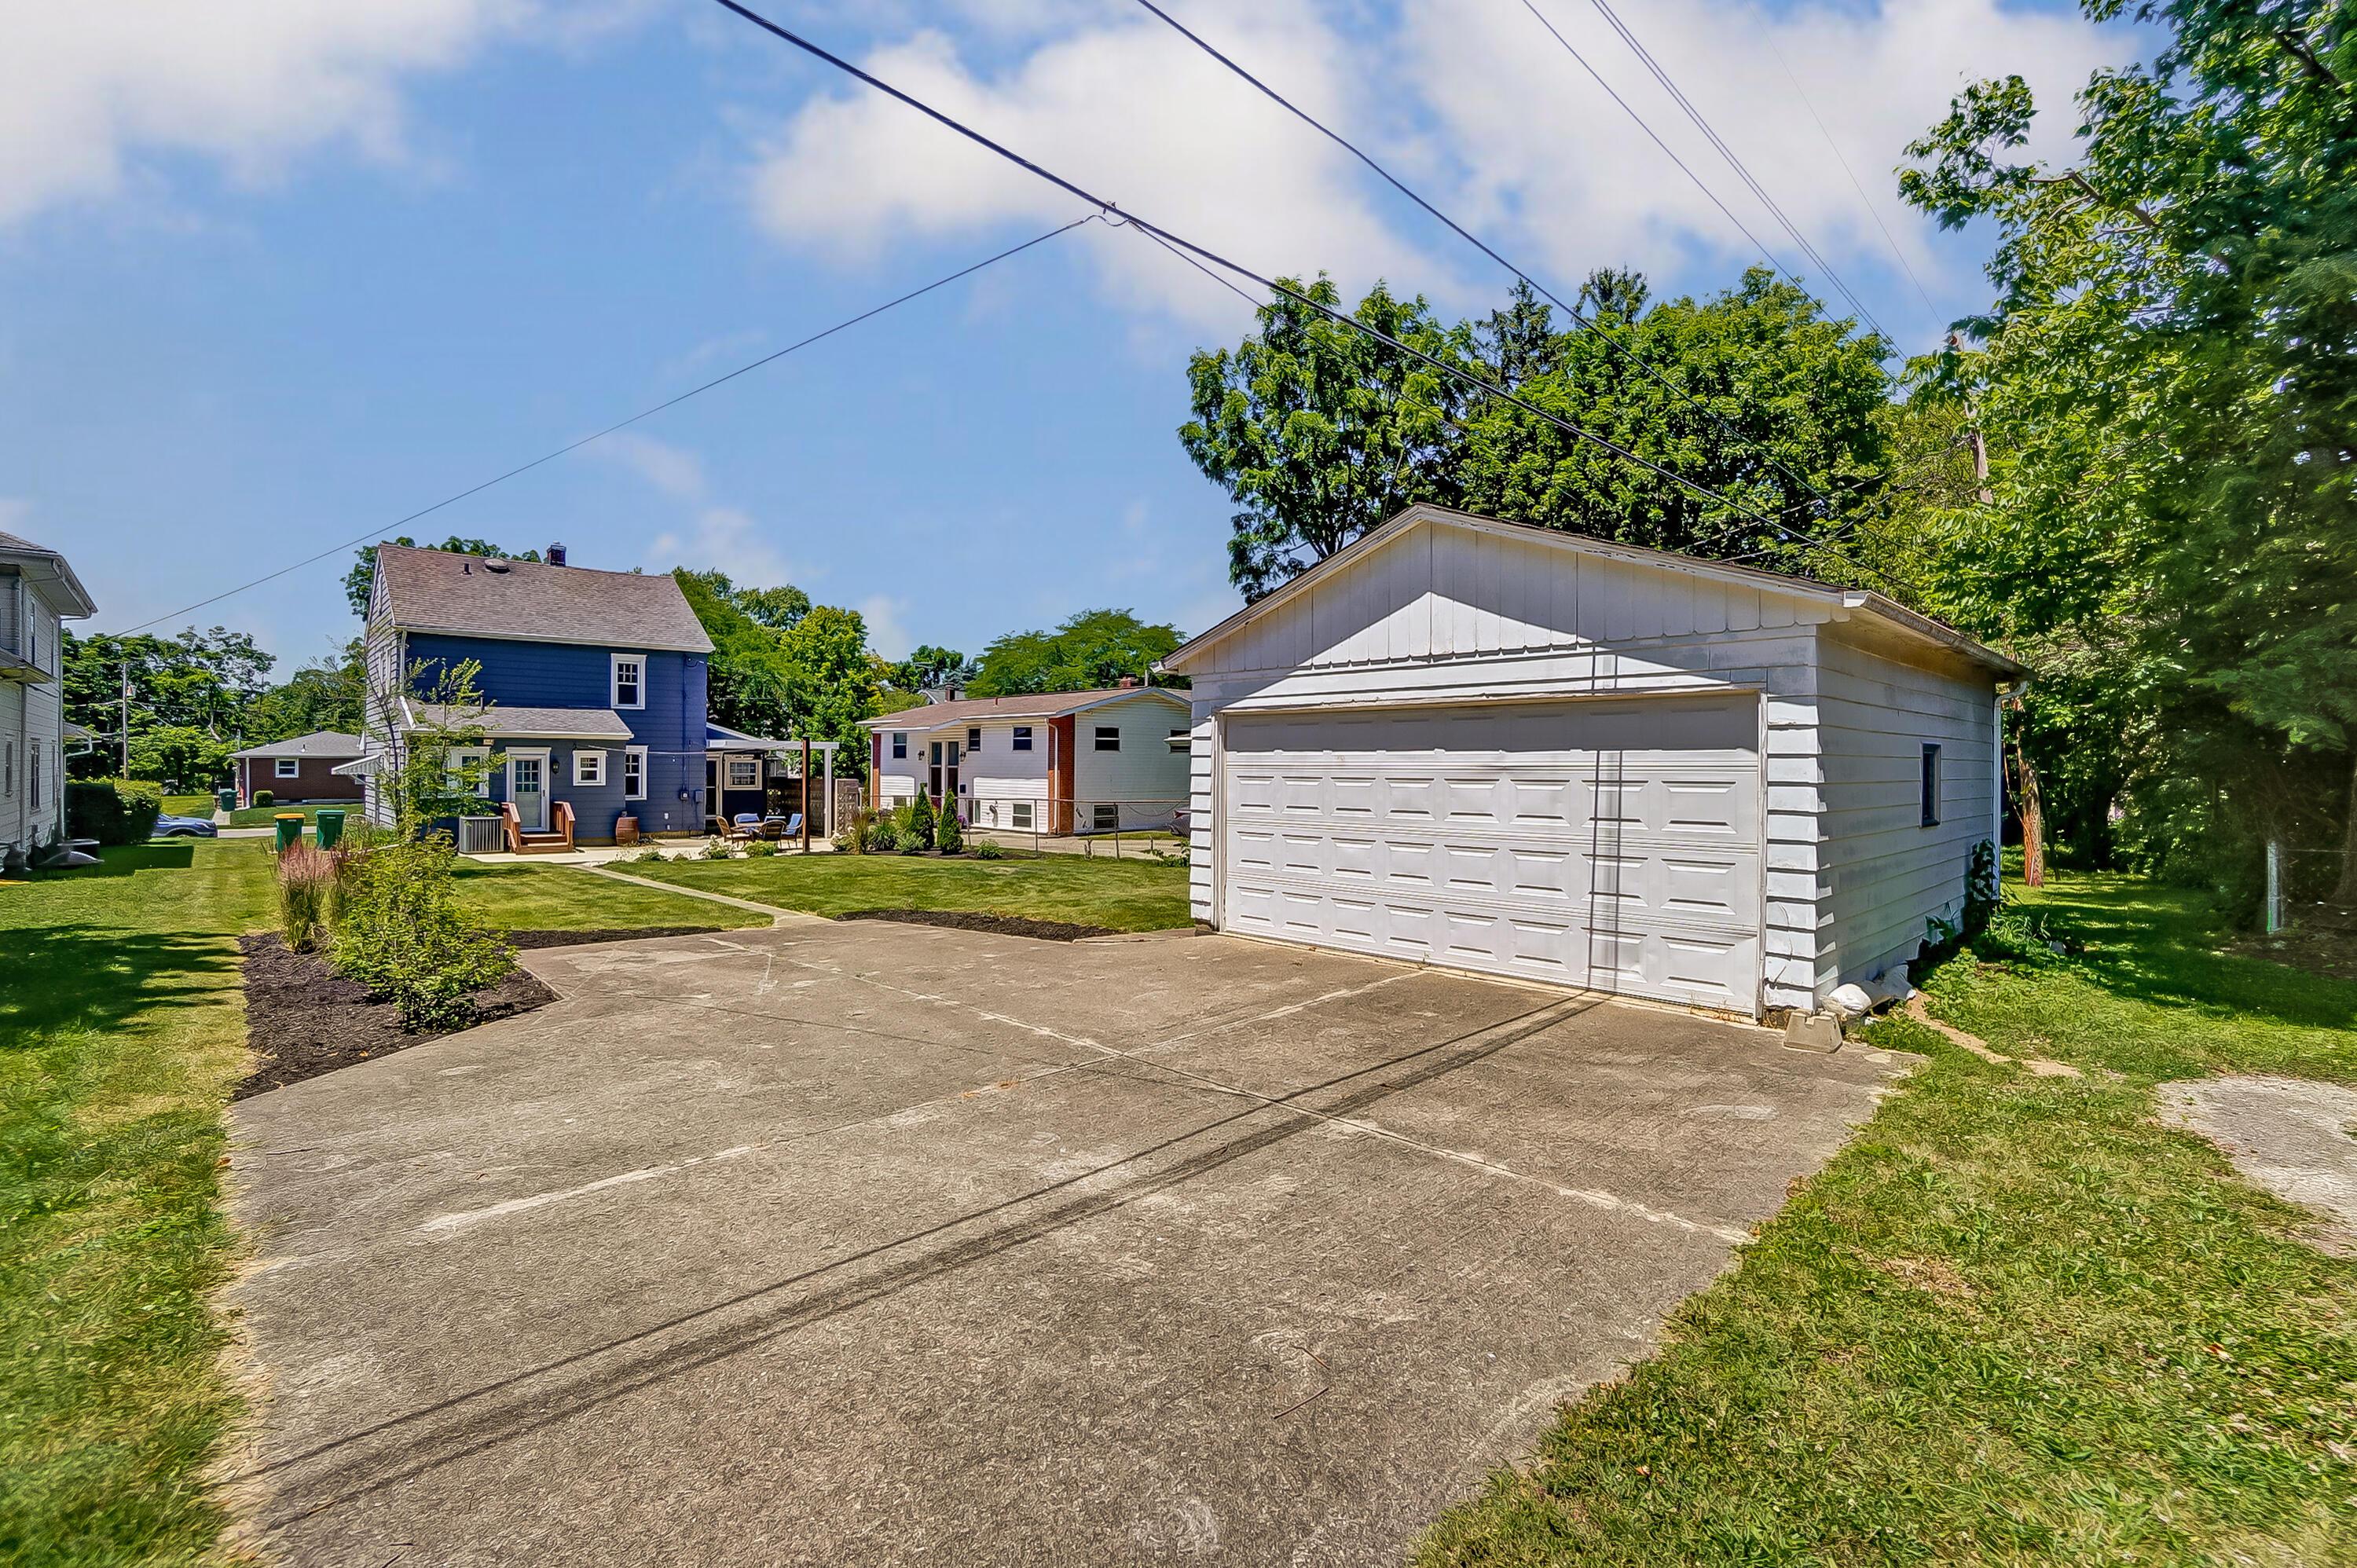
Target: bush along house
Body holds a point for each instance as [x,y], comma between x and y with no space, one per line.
[593,684]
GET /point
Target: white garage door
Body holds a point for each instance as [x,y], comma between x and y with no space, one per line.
[1608,845]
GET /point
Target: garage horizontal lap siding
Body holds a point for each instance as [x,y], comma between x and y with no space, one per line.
[1600,844]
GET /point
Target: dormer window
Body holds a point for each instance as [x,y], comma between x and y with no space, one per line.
[629,680]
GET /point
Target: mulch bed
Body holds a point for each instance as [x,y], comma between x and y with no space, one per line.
[302,1018]
[2318,950]
[1004,925]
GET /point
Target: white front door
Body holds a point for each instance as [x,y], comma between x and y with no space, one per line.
[528,789]
[1610,844]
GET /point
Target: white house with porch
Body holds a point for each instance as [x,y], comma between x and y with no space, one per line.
[1052,762]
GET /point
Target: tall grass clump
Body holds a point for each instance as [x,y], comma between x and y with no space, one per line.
[306,896]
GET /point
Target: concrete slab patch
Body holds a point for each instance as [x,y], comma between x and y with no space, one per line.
[867,1244]
[2296,1138]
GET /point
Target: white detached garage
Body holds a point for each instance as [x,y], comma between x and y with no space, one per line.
[1504,748]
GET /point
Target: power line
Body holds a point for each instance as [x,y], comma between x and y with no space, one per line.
[1475,241]
[1200,253]
[621,423]
[1683,167]
[1864,200]
[1677,95]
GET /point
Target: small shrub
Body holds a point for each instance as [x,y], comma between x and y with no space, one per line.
[852,835]
[949,833]
[403,936]
[264,798]
[2014,935]
[920,819]
[112,810]
[716,850]
[987,849]
[760,849]
[306,896]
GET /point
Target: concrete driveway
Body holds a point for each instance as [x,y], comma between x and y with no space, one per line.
[877,1243]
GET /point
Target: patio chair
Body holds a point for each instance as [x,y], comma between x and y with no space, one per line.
[778,828]
[744,829]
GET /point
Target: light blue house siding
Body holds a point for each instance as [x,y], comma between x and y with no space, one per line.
[519,675]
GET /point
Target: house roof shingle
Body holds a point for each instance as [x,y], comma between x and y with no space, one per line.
[504,722]
[439,590]
[319,742]
[1030,705]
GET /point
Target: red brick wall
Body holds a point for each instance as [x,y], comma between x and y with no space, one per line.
[314,779]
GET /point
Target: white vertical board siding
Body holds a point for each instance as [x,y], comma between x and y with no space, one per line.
[997,776]
[1884,873]
[14,732]
[1608,845]
[1146,778]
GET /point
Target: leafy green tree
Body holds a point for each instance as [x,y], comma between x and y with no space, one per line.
[358,580]
[1094,648]
[183,755]
[931,666]
[1321,434]
[830,684]
[328,694]
[1317,431]
[197,681]
[2166,377]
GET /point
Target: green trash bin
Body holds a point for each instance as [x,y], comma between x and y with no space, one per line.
[227,799]
[327,827]
[290,830]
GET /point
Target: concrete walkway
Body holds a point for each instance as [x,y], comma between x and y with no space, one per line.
[871,1244]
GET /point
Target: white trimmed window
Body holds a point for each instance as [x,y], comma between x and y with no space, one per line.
[287,768]
[1931,785]
[462,772]
[1022,738]
[974,738]
[1108,737]
[744,773]
[634,773]
[629,680]
[899,746]
[1018,813]
[589,767]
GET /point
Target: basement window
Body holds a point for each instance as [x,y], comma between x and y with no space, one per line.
[1931,785]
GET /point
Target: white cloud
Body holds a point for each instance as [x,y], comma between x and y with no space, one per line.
[888,638]
[1558,165]
[674,470]
[1468,99]
[1125,108]
[95,93]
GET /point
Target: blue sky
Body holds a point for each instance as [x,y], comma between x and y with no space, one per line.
[279,273]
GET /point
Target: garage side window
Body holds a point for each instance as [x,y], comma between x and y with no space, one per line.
[1931,785]
[1108,737]
[1022,738]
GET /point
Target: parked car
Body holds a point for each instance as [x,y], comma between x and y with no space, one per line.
[185,828]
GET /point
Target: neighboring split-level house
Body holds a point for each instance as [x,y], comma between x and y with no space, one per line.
[38,592]
[595,682]
[1054,762]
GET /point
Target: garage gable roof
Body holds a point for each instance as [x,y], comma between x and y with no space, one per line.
[1844,601]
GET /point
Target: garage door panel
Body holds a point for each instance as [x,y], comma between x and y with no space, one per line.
[1510,841]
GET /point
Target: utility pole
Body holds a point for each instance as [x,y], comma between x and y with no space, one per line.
[2030,801]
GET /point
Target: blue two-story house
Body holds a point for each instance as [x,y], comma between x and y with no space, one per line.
[594,687]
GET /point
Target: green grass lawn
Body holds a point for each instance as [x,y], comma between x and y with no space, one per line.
[121,1029]
[1126,895]
[189,805]
[561,898]
[122,1032]
[2015,1321]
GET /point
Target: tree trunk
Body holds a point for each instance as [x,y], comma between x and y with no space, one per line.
[2032,807]
[2345,892]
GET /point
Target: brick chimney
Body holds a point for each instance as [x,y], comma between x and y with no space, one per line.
[1128,683]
